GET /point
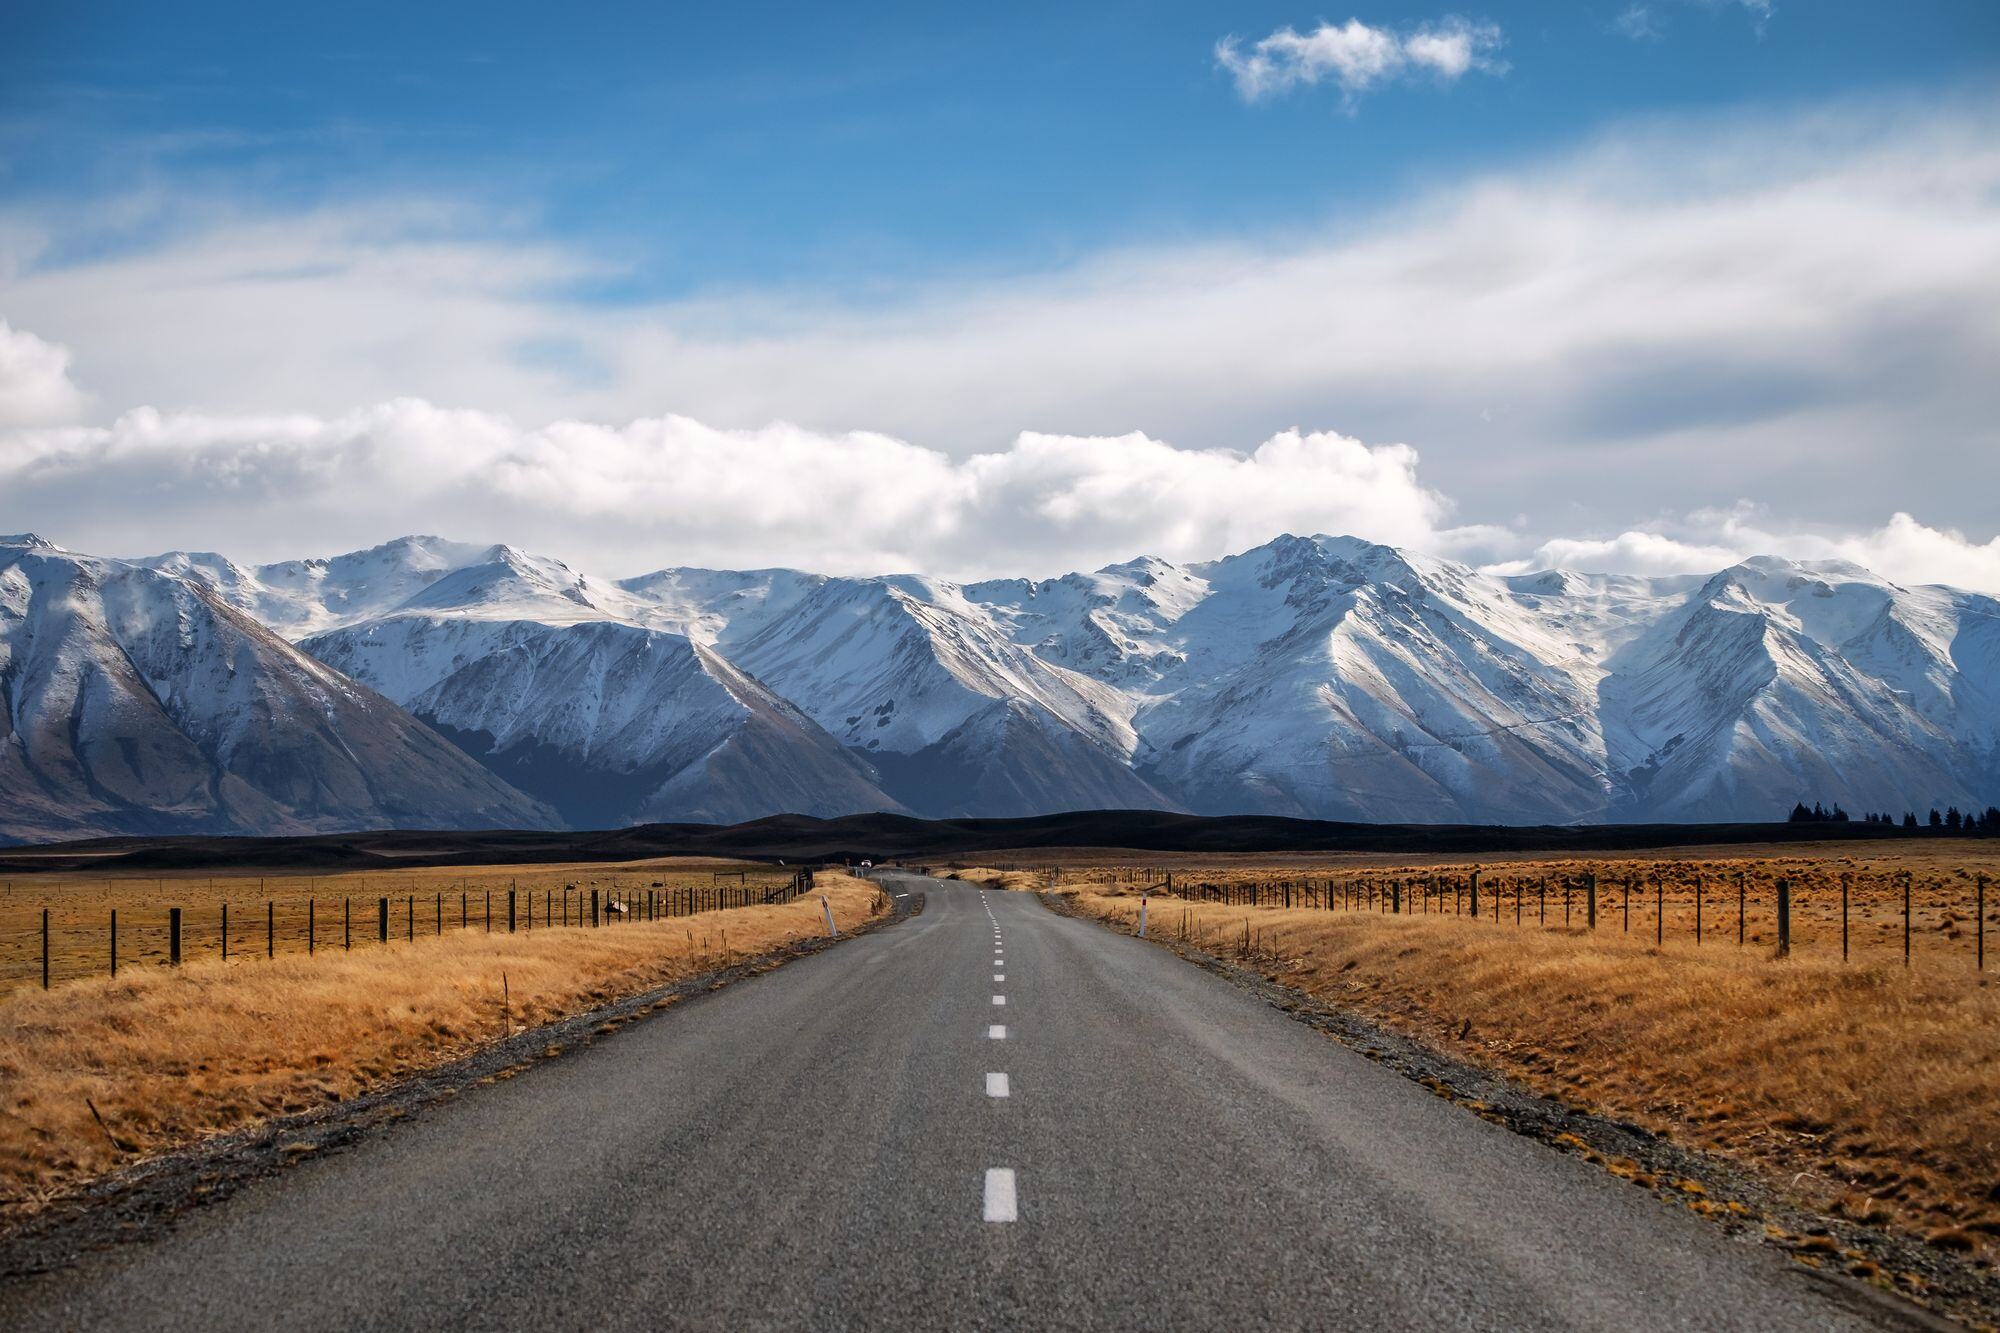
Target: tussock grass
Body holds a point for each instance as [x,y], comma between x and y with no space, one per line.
[171,1056]
[423,901]
[1667,895]
[1864,1089]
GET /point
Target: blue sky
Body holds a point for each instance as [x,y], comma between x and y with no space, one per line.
[712,145]
[1634,284]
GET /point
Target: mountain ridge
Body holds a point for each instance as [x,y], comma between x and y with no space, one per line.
[1314,677]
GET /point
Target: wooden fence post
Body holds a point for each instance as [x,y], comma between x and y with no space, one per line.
[1843,916]
[347,923]
[1906,918]
[225,932]
[593,907]
[1472,893]
[1740,891]
[1659,910]
[45,948]
[1979,933]
[270,928]
[410,917]
[1590,897]
[174,936]
[1784,918]
[510,911]
[114,941]
[1697,909]
[382,919]
[312,927]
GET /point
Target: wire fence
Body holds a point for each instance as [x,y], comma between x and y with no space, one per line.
[97,933]
[1934,918]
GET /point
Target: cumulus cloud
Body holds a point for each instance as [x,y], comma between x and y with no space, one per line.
[670,490]
[35,387]
[622,499]
[1632,552]
[1903,550]
[1357,57]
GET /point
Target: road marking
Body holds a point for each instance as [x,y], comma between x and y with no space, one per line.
[1001,1205]
[996,1085]
[997,1032]
[999,999]
[999,976]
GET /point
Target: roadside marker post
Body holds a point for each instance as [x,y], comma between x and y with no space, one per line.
[1142,916]
[827,907]
[1784,918]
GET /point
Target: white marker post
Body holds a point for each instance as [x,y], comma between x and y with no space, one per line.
[827,907]
[1142,917]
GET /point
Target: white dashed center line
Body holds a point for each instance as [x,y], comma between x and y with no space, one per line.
[999,976]
[996,1085]
[997,1032]
[999,999]
[1001,1205]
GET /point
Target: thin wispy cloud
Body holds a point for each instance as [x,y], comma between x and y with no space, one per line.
[1646,20]
[1357,58]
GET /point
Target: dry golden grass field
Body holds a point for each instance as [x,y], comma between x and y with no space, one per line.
[1863,1087]
[1646,899]
[272,914]
[169,1056]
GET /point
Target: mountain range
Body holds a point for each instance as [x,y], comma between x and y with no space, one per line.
[434,683]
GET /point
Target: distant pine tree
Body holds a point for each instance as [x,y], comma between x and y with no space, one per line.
[1909,819]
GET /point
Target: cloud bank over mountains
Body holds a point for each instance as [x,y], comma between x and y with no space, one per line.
[1637,357]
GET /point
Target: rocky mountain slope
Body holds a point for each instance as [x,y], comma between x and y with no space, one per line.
[133,701]
[1322,676]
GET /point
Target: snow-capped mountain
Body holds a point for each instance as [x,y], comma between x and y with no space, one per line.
[1317,676]
[610,723]
[135,701]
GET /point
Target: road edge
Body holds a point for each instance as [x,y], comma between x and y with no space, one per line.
[142,1201]
[1742,1204]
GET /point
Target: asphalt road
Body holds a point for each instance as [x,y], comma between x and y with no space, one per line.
[824,1146]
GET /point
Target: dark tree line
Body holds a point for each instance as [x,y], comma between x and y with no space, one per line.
[1949,821]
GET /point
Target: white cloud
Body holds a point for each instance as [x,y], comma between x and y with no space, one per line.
[1357,57]
[35,387]
[1632,552]
[1643,21]
[1804,312]
[1903,549]
[672,490]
